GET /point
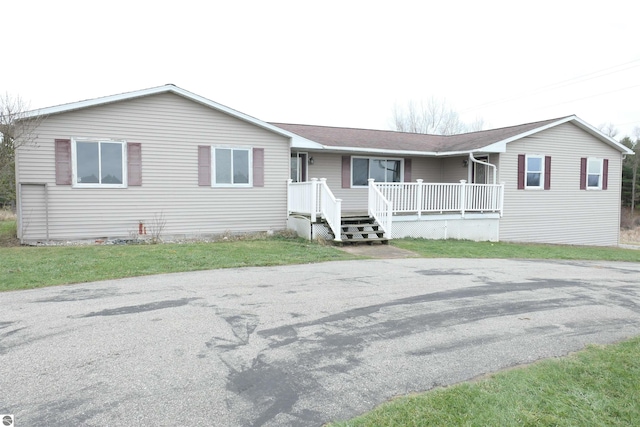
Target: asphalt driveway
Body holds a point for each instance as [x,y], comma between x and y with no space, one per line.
[297,345]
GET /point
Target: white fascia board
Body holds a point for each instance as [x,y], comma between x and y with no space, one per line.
[304,143]
[598,134]
[96,101]
[379,151]
[504,142]
[501,146]
[496,147]
[173,89]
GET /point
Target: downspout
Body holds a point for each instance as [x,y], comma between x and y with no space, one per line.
[474,160]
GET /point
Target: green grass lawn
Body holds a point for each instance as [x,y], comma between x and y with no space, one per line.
[33,267]
[468,249]
[8,233]
[599,386]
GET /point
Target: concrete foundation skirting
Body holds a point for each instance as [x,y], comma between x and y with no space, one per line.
[474,227]
[301,225]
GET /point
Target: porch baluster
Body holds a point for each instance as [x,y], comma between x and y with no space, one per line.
[463,196]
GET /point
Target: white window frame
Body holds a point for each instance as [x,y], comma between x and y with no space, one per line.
[600,173]
[249,150]
[369,168]
[527,171]
[74,162]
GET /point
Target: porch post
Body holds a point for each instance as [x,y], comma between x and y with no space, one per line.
[313,209]
[463,196]
[419,196]
[289,181]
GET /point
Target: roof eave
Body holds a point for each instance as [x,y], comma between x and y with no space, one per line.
[577,121]
[378,151]
[166,89]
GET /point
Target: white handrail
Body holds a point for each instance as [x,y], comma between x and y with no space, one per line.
[331,209]
[314,198]
[380,208]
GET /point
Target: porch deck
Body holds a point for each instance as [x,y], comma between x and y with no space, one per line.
[399,203]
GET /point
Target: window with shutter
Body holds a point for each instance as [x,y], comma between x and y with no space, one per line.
[100,163]
[63,162]
[594,173]
[134,164]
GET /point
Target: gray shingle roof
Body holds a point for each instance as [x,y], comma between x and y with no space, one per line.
[402,141]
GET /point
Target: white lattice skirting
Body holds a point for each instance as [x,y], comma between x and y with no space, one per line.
[467,228]
[471,227]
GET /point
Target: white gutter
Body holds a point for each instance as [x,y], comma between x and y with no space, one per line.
[480,162]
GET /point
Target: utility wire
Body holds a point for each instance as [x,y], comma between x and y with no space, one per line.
[590,96]
[563,83]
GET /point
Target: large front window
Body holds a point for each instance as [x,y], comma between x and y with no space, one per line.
[99,163]
[232,166]
[381,170]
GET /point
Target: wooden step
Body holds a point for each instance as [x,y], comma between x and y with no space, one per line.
[362,233]
[357,221]
[382,240]
[361,229]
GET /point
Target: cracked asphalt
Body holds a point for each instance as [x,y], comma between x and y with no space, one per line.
[296,345]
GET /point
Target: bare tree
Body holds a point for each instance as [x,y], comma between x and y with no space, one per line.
[608,129]
[17,129]
[434,116]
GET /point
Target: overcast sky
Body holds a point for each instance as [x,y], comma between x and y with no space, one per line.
[336,63]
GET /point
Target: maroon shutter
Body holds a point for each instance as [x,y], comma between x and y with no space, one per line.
[346,172]
[407,170]
[583,173]
[258,167]
[204,165]
[547,172]
[605,174]
[521,170]
[63,161]
[134,163]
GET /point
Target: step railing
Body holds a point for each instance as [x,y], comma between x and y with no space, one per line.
[314,198]
[380,208]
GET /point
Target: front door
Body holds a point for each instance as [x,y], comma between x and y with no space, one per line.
[299,167]
[480,172]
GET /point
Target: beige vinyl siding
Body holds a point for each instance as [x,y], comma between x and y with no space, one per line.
[33,211]
[564,214]
[453,170]
[428,169]
[329,165]
[170,128]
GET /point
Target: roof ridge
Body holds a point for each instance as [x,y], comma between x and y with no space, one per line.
[354,128]
[420,133]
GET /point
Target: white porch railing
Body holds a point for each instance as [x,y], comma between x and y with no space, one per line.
[380,208]
[315,198]
[423,198]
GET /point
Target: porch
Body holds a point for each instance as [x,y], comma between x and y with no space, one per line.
[394,210]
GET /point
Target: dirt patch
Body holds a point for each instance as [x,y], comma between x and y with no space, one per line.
[631,236]
[7,215]
[378,251]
